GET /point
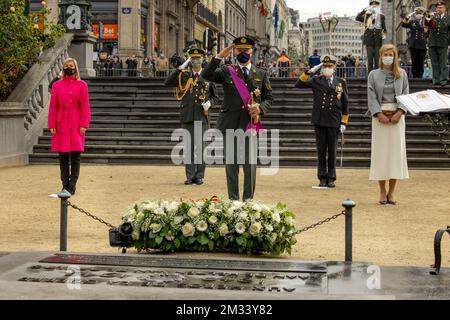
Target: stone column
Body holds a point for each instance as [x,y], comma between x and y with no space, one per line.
[151,27]
[12,134]
[130,28]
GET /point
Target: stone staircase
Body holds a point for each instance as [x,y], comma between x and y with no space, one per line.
[133,119]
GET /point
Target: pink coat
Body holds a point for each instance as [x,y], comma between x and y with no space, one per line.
[69,111]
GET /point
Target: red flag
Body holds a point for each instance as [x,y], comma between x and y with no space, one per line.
[263,8]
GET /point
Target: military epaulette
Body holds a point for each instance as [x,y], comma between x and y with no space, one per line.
[185,70]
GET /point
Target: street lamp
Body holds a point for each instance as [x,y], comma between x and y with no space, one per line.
[329,24]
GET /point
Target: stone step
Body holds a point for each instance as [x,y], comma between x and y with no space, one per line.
[283,151]
[116,159]
[287,142]
[284,133]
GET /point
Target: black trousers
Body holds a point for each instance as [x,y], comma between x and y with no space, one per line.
[418,61]
[327,143]
[69,164]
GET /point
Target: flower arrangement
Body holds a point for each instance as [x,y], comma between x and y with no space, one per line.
[211,225]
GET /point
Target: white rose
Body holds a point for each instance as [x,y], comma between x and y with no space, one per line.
[243,216]
[193,212]
[172,208]
[170,236]
[273,237]
[268,227]
[151,206]
[237,205]
[265,207]
[188,230]
[202,226]
[256,215]
[290,221]
[223,229]
[257,207]
[136,234]
[200,204]
[159,211]
[240,228]
[178,219]
[255,229]
[156,227]
[212,220]
[276,217]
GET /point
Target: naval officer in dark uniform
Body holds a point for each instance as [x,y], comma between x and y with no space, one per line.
[197,96]
[417,40]
[240,81]
[329,115]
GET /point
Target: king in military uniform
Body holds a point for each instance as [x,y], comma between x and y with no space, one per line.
[197,96]
[329,115]
[247,97]
[374,24]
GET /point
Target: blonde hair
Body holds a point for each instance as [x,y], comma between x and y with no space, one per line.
[396,70]
[77,71]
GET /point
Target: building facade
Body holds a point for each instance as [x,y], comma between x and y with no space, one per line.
[235,19]
[210,15]
[345,39]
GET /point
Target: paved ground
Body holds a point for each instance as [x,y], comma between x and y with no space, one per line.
[386,235]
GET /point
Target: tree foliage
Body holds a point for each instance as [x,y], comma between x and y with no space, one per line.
[22,41]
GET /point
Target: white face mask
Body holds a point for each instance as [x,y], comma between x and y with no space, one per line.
[388,61]
[327,72]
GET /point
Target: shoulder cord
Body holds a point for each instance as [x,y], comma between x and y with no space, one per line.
[183,89]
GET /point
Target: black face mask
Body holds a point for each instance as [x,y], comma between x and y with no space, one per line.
[69,72]
[243,57]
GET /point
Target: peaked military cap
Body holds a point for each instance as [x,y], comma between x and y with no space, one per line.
[196,53]
[420,10]
[244,43]
[374,2]
[328,60]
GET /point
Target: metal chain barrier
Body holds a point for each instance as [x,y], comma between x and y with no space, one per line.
[90,215]
[315,225]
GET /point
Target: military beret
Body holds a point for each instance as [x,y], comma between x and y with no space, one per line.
[244,42]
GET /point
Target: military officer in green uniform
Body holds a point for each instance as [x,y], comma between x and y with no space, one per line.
[439,28]
[329,115]
[374,23]
[197,96]
[247,97]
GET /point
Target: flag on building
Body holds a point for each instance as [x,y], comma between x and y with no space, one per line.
[263,7]
[282,28]
[275,15]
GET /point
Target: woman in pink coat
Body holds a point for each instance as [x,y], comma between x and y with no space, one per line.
[68,119]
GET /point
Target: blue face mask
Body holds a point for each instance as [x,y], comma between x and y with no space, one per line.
[243,57]
[196,63]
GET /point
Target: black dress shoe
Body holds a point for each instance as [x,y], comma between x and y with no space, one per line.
[323,184]
[189,182]
[199,182]
[331,184]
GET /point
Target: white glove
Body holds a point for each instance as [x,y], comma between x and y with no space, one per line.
[343,128]
[384,37]
[184,65]
[315,69]
[206,105]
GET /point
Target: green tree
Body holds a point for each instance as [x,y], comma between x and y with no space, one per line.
[22,41]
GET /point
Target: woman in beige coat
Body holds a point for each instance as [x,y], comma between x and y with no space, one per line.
[388,160]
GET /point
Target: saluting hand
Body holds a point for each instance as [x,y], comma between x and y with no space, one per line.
[225,53]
